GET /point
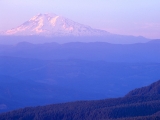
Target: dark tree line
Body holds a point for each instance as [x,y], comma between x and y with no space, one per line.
[139,104]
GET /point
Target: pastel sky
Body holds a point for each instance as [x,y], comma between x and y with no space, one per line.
[128,17]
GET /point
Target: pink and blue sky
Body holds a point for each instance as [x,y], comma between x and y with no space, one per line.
[128,17]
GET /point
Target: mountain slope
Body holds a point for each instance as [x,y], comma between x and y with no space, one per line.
[54,25]
[143,107]
[153,89]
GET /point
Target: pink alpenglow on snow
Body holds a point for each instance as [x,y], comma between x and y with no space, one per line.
[54,25]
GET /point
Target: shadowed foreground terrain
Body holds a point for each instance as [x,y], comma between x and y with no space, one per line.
[139,104]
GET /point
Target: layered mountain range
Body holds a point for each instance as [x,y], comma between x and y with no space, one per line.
[53,25]
[40,74]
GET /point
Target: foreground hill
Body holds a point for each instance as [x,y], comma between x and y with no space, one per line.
[139,104]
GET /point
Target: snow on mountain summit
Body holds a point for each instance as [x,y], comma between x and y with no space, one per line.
[54,25]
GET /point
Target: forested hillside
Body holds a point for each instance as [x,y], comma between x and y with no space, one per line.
[139,104]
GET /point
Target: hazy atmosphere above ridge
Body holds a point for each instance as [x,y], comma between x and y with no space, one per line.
[138,18]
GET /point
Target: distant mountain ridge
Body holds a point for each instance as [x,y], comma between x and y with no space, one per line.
[53,25]
[142,52]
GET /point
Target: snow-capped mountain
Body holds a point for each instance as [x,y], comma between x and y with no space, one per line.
[54,25]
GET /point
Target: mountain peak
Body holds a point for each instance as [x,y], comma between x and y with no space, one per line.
[46,15]
[54,25]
